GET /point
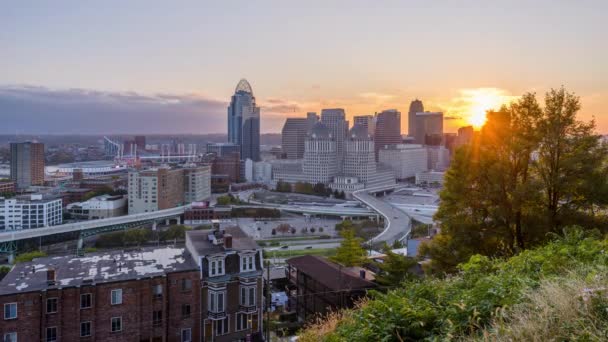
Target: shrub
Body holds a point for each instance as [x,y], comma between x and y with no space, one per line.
[29,256]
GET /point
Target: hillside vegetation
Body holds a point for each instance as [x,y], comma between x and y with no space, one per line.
[551,293]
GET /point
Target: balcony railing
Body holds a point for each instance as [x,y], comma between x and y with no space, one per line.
[248,308]
[216,315]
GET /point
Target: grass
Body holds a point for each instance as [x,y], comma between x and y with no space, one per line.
[300,252]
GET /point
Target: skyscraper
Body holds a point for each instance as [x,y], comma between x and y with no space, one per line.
[244,121]
[335,120]
[320,150]
[294,134]
[367,121]
[429,126]
[388,129]
[27,164]
[415,107]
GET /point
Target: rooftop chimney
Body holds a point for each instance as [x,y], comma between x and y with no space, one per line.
[50,276]
[362,274]
[227,241]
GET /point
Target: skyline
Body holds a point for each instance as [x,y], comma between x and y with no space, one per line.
[176,68]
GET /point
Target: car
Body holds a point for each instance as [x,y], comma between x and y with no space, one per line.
[308,247]
[284,247]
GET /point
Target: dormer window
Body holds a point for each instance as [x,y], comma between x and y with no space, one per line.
[247,262]
[216,266]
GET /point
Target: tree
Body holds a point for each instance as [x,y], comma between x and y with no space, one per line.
[350,253]
[312,229]
[394,269]
[283,228]
[530,171]
[283,186]
[223,200]
[177,232]
[320,189]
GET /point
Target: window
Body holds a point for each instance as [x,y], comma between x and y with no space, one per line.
[10,337]
[116,324]
[247,296]
[185,310]
[85,329]
[186,284]
[186,335]
[221,326]
[243,321]
[86,300]
[157,317]
[216,301]
[247,262]
[116,296]
[51,334]
[157,290]
[51,305]
[10,310]
[216,267]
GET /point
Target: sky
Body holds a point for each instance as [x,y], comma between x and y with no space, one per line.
[121,67]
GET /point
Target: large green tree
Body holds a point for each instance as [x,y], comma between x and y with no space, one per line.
[350,252]
[395,268]
[530,171]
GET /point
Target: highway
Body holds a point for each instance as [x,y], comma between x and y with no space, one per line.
[397,223]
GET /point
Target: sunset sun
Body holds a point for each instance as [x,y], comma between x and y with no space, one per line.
[481,100]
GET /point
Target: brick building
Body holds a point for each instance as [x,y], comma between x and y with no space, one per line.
[7,187]
[148,294]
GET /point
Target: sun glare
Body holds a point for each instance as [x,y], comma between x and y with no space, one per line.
[482,100]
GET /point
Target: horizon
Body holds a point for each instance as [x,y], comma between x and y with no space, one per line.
[175,68]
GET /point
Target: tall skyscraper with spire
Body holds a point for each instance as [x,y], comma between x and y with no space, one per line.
[415,107]
[244,121]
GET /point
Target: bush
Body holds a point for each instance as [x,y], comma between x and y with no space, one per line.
[4,271]
[177,232]
[25,257]
[90,250]
[485,293]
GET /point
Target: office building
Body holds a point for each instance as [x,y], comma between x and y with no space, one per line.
[7,187]
[388,129]
[359,157]
[258,172]
[30,212]
[416,106]
[429,128]
[405,159]
[320,162]
[155,189]
[98,207]
[27,164]
[228,165]
[293,136]
[335,120]
[367,121]
[439,158]
[429,178]
[197,183]
[140,142]
[244,121]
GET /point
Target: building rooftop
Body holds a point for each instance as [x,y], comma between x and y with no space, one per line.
[96,268]
[202,244]
[329,274]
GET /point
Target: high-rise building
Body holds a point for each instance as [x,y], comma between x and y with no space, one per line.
[140,141]
[228,165]
[320,163]
[222,149]
[388,129]
[367,121]
[465,136]
[429,126]
[405,159]
[335,120]
[244,121]
[152,190]
[415,107]
[27,164]
[197,183]
[294,134]
[29,212]
[359,154]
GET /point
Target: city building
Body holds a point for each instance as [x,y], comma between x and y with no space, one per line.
[439,158]
[335,120]
[258,172]
[30,211]
[228,165]
[140,142]
[7,187]
[388,129]
[318,286]
[321,161]
[27,164]
[155,189]
[367,121]
[359,155]
[416,106]
[202,213]
[87,169]
[294,134]
[197,183]
[98,207]
[465,136]
[244,121]
[288,170]
[222,149]
[231,265]
[405,159]
[429,128]
[429,178]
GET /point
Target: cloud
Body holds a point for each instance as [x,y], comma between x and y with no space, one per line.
[377,97]
[40,110]
[452,117]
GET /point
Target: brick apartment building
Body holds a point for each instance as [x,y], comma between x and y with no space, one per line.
[318,286]
[148,294]
[7,187]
